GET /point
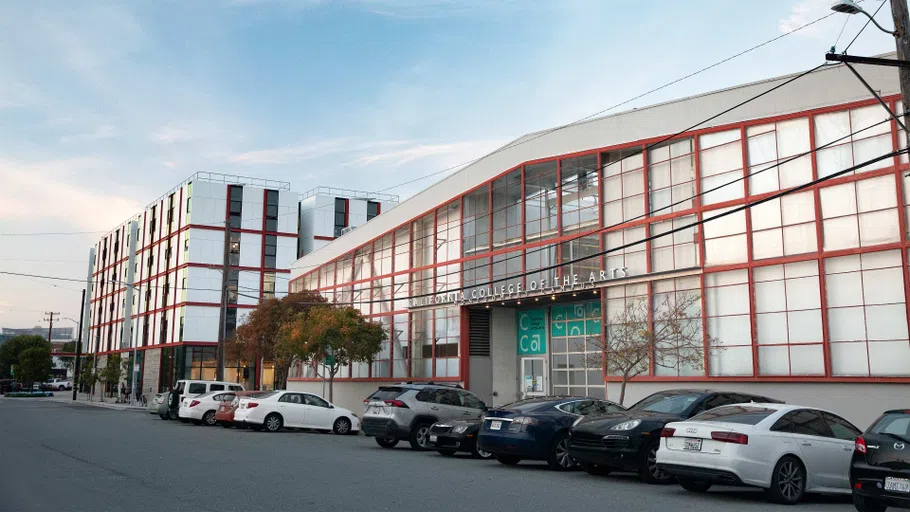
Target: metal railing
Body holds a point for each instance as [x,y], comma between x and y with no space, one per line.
[350,193]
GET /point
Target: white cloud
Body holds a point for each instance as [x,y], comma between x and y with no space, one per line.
[101,133]
[805,11]
[309,150]
[172,134]
[422,151]
[40,191]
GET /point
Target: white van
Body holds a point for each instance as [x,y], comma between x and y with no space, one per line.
[190,388]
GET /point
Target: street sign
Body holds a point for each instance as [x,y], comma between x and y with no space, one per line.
[330,360]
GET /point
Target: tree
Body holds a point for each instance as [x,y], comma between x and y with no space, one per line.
[69,362]
[34,365]
[259,338]
[112,372]
[10,351]
[331,337]
[669,335]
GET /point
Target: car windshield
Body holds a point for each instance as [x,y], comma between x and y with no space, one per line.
[746,415]
[670,403]
[383,394]
[265,394]
[203,395]
[893,424]
[530,405]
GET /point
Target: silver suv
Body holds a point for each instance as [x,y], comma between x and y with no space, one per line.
[408,409]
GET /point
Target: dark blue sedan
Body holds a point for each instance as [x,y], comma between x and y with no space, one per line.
[537,428]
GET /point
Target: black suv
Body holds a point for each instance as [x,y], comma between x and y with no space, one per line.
[880,469]
[628,440]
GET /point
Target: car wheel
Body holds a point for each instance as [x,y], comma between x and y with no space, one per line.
[477,453]
[419,436]
[595,469]
[649,472]
[209,418]
[447,453]
[172,415]
[508,460]
[386,442]
[60,388]
[866,505]
[692,485]
[788,481]
[163,416]
[342,426]
[272,422]
[559,458]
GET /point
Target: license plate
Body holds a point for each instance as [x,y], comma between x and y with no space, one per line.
[897,484]
[495,425]
[692,445]
[433,439]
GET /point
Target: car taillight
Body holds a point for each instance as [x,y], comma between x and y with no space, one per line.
[397,403]
[730,437]
[194,403]
[860,445]
[251,405]
[521,423]
[667,432]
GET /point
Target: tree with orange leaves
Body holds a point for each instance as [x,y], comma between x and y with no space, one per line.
[329,337]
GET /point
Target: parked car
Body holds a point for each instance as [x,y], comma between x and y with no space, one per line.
[407,410]
[201,409]
[167,404]
[6,385]
[449,437]
[224,416]
[880,465]
[275,410]
[628,440]
[58,384]
[537,428]
[787,450]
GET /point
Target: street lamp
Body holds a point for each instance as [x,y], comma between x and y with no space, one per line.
[850,7]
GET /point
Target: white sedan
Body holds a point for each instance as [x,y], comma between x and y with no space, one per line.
[787,450]
[293,409]
[202,408]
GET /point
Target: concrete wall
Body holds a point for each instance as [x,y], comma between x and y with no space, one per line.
[151,365]
[861,404]
[504,353]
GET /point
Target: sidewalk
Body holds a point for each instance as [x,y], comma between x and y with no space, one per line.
[83,399]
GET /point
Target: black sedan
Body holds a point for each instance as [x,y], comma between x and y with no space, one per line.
[880,469]
[449,437]
[628,441]
[537,428]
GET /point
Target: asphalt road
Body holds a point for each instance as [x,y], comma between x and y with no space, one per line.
[80,458]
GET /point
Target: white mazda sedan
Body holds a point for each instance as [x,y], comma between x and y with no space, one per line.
[292,409]
[200,409]
[788,450]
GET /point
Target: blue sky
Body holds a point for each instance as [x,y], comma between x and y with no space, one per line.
[105,105]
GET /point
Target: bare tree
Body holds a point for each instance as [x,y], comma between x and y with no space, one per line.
[669,335]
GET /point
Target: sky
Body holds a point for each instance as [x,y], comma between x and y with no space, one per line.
[106,105]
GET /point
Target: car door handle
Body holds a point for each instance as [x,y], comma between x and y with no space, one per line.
[806,444]
[466,414]
[434,408]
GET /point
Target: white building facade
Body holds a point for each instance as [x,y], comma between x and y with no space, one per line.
[178,275]
[326,213]
[802,297]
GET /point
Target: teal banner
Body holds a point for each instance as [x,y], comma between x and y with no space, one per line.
[532,332]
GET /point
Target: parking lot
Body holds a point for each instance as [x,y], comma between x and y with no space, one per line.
[97,459]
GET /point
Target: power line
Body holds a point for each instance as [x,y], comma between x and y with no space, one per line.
[867,24]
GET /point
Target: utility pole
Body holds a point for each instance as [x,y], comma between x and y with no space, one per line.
[902,40]
[86,311]
[50,318]
[126,335]
[78,347]
[222,324]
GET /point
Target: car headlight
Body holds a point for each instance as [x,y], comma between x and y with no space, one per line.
[626,425]
[460,429]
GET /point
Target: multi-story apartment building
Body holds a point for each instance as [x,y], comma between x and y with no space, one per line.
[511,275]
[178,275]
[326,213]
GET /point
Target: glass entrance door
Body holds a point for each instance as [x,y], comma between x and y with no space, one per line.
[534,377]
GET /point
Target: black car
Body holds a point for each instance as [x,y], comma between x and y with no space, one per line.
[628,441]
[537,428]
[880,469]
[449,437]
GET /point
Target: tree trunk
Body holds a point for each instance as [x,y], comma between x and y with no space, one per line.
[622,390]
[331,383]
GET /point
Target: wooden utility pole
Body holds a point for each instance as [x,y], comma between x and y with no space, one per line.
[222,323]
[50,318]
[902,40]
[76,366]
